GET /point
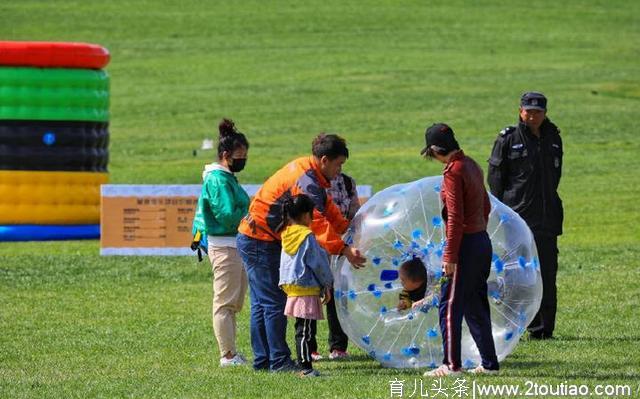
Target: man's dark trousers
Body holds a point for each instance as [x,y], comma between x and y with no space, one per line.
[544,322]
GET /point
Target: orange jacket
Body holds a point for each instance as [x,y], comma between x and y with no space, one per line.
[265,220]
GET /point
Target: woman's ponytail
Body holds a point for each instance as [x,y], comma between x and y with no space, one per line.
[230,138]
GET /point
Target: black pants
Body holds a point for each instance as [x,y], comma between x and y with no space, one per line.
[305,341]
[544,322]
[464,294]
[338,340]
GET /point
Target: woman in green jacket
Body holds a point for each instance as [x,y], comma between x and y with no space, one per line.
[222,203]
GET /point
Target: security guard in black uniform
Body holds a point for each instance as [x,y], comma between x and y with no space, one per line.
[524,173]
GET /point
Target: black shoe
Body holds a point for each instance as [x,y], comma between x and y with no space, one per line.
[535,335]
[540,335]
[289,366]
[309,373]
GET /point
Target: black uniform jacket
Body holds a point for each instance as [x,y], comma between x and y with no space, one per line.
[524,173]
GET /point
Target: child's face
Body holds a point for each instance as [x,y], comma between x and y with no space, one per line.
[408,284]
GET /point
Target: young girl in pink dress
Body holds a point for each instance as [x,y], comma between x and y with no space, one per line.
[305,277]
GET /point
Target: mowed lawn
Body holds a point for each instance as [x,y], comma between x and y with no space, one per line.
[74,324]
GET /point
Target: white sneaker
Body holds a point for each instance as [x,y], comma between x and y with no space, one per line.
[337,354]
[442,371]
[315,356]
[482,370]
[237,360]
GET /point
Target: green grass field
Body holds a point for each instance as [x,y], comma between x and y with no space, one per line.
[73,324]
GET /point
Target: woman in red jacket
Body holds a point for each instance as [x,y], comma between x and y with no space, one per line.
[467,254]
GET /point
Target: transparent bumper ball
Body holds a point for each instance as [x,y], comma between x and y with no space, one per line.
[402,222]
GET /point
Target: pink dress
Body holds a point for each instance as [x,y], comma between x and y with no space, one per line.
[304,307]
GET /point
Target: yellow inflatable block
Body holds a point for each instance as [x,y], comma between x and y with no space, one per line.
[28,197]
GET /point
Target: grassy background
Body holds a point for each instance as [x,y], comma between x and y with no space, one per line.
[378,72]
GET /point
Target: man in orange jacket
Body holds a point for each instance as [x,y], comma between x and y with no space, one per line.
[259,242]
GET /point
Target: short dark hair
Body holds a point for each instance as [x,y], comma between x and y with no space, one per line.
[434,149]
[414,270]
[330,145]
[297,206]
[230,138]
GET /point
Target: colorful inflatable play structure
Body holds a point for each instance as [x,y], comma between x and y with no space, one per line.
[54,138]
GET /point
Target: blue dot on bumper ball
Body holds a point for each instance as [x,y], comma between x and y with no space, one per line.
[388,275]
[499,266]
[410,351]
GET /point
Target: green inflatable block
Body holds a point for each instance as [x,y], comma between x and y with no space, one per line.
[54,94]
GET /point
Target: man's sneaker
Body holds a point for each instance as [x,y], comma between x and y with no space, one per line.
[236,360]
[442,371]
[337,354]
[309,373]
[315,356]
[482,370]
[289,366]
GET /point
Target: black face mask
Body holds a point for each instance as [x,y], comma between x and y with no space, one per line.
[238,164]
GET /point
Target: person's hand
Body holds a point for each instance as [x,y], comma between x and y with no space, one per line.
[448,268]
[327,295]
[354,256]
[402,305]
[417,304]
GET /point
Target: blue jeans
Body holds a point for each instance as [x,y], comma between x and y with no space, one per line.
[261,260]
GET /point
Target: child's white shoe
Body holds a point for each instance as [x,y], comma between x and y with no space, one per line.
[482,370]
[442,371]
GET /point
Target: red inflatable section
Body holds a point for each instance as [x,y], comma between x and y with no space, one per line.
[53,55]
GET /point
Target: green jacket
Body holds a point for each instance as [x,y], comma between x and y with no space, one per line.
[222,203]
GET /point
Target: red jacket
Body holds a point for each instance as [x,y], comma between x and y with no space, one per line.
[466,202]
[265,220]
